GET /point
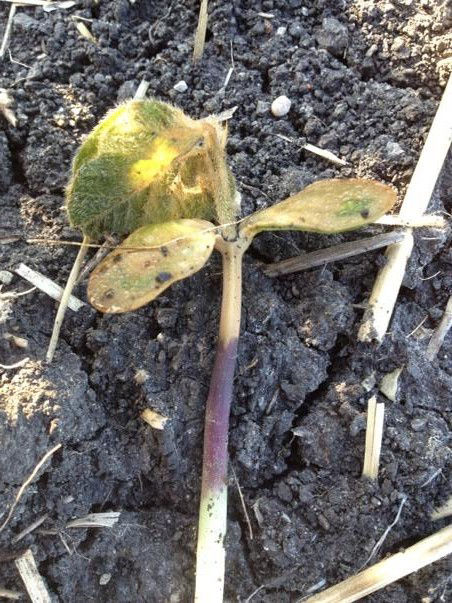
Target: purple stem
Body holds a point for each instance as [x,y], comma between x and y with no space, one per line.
[215,463]
[210,555]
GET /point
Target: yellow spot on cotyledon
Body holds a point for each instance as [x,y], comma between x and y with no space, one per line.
[144,171]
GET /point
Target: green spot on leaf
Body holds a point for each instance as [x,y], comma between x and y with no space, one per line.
[327,206]
[355,206]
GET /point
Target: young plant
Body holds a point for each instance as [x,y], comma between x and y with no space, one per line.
[149,170]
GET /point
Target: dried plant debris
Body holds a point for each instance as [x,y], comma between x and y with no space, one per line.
[154,419]
[95,520]
[374,437]
[200,35]
[34,583]
[6,104]
[415,203]
[391,569]
[43,283]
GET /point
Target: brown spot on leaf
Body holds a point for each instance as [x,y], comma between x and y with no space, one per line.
[162,277]
[164,250]
[116,258]
[109,294]
[364,213]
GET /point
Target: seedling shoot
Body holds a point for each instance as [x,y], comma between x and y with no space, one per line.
[150,172]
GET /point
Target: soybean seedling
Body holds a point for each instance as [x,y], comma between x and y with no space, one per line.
[149,171]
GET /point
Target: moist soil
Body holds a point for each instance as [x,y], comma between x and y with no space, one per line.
[364,79]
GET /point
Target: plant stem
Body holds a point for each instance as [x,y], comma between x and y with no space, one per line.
[213,505]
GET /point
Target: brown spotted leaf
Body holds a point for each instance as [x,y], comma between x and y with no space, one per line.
[151,259]
[327,206]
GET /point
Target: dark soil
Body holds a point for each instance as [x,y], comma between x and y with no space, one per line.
[365,86]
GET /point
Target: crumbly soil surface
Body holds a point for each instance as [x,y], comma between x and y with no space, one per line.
[365,79]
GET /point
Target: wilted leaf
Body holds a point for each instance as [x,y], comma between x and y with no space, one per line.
[148,261]
[146,163]
[327,206]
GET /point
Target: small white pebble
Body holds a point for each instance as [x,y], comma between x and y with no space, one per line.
[281,106]
[394,150]
[181,86]
[281,31]
[6,277]
[104,579]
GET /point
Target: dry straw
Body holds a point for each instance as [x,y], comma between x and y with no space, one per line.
[374,435]
[389,570]
[419,192]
